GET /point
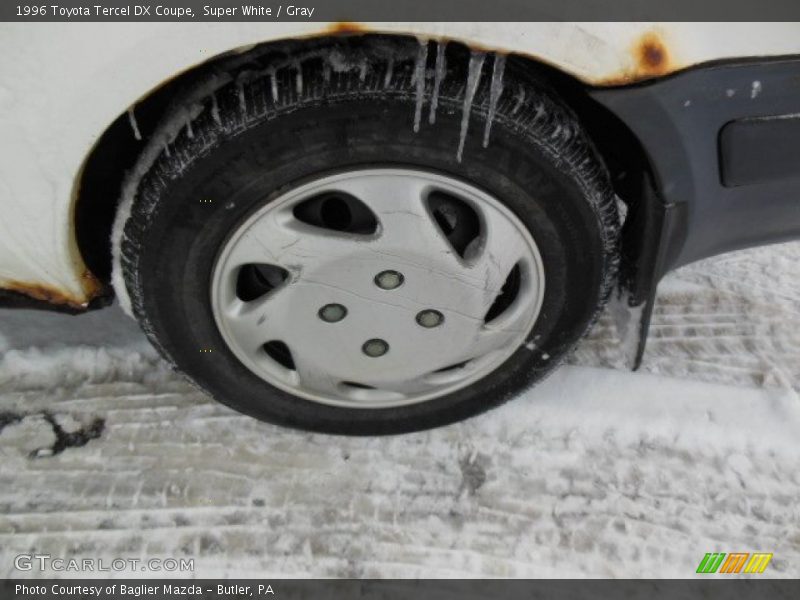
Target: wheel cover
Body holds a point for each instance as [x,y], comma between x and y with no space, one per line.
[400,339]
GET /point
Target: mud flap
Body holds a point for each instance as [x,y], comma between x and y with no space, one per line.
[652,235]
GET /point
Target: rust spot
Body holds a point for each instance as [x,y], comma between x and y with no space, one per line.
[345,27]
[652,55]
[651,58]
[91,285]
[47,293]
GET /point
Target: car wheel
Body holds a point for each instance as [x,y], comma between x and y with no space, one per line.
[354,239]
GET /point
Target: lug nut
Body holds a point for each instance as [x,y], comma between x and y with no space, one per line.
[430,318]
[375,348]
[389,280]
[331,313]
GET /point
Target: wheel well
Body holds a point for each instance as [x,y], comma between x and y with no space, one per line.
[117,150]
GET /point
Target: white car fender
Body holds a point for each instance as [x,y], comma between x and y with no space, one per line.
[63,84]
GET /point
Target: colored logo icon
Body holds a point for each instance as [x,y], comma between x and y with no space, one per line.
[736,562]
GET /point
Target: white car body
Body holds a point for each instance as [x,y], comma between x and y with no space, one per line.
[64,84]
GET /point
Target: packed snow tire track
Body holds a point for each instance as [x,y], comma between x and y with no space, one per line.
[597,472]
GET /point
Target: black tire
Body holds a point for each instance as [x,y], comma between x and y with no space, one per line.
[347,102]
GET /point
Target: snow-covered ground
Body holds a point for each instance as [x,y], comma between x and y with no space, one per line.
[598,472]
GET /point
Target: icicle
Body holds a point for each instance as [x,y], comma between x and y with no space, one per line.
[362,75]
[273,79]
[166,150]
[215,109]
[438,76]
[326,73]
[242,102]
[473,79]
[299,79]
[189,130]
[520,98]
[494,94]
[389,72]
[134,125]
[419,81]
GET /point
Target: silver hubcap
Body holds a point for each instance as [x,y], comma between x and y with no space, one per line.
[380,319]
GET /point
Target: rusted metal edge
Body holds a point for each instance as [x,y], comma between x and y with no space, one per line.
[346,27]
[650,54]
[95,293]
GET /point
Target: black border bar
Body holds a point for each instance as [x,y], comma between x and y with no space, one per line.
[733,588]
[404,10]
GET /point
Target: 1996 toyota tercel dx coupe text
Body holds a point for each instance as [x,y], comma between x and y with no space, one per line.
[378,228]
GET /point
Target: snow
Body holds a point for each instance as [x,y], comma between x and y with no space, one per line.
[596,472]
[134,125]
[35,368]
[628,320]
[179,117]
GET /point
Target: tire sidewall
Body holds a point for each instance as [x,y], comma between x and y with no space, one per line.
[199,210]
